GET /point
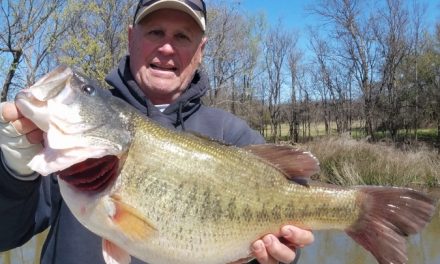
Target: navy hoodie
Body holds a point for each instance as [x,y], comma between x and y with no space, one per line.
[28,208]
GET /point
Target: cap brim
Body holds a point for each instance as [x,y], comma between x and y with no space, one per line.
[172,4]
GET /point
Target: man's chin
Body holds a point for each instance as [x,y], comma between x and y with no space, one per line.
[164,93]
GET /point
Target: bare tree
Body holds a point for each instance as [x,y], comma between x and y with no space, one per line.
[418,31]
[231,54]
[333,80]
[293,108]
[392,37]
[28,32]
[429,72]
[276,49]
[353,35]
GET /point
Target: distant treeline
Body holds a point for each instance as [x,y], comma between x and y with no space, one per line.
[377,65]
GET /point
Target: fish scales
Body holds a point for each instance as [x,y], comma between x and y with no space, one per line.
[181,198]
[210,205]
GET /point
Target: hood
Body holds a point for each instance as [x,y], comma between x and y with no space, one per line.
[175,114]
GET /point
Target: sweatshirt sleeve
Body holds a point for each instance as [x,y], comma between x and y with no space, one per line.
[237,132]
[225,127]
[19,203]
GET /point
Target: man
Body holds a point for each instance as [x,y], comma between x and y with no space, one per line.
[160,77]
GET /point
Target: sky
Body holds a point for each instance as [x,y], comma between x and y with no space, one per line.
[294,15]
[292,12]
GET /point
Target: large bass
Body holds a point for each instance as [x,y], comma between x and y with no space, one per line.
[174,197]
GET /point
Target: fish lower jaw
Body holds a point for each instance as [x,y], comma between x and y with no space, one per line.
[82,204]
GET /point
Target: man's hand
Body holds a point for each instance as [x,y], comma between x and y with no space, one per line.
[269,249]
[20,140]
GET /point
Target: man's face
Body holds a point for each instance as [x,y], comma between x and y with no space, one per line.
[165,51]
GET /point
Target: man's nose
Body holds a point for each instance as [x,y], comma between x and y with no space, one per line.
[167,48]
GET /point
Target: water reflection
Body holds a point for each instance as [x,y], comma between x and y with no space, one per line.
[424,247]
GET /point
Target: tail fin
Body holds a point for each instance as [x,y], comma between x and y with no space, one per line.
[387,216]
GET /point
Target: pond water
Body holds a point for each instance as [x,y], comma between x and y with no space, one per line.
[330,247]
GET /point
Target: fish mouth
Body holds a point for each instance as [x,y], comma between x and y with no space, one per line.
[93,174]
[63,144]
[51,104]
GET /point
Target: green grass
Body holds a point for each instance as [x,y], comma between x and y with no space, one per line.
[318,129]
[427,135]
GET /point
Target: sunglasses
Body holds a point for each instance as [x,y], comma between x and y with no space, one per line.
[198,5]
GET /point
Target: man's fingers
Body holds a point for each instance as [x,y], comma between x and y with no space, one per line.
[269,250]
[9,112]
[296,236]
[260,253]
[24,126]
[35,136]
[277,250]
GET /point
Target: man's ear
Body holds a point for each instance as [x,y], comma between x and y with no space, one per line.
[130,36]
[204,41]
[202,48]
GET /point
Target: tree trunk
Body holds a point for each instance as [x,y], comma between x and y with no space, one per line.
[11,73]
[369,119]
[438,132]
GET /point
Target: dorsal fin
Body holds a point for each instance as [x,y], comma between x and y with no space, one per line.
[298,165]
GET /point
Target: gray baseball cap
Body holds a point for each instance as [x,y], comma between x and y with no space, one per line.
[195,8]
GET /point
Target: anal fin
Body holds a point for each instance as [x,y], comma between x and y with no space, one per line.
[113,254]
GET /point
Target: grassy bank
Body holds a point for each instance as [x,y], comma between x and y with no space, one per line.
[424,135]
[346,161]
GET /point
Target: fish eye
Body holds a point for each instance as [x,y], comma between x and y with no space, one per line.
[90,90]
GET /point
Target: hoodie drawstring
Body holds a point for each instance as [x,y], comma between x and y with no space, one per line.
[180,116]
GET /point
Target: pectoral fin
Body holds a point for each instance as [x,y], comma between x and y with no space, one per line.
[131,222]
[114,254]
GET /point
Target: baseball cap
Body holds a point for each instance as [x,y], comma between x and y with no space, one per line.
[195,8]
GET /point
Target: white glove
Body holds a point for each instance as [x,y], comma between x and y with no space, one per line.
[16,150]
